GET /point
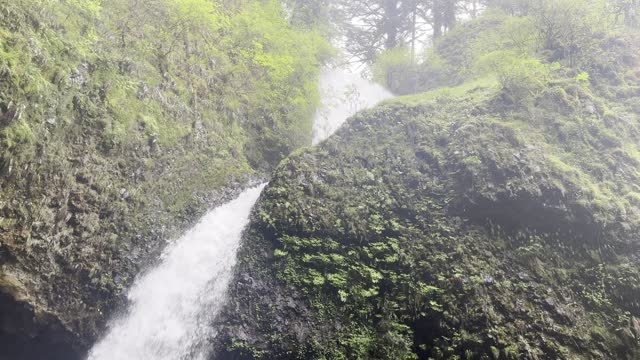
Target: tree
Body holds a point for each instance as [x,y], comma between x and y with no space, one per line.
[565,28]
[370,27]
[628,11]
[310,14]
[443,16]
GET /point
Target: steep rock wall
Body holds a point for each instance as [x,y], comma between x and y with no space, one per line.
[449,224]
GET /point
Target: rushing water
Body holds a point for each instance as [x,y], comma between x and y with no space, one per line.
[343,94]
[172,306]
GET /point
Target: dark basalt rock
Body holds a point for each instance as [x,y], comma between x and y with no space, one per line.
[444,226]
[24,334]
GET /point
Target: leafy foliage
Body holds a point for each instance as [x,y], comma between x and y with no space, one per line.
[568,37]
[396,70]
[521,77]
[121,121]
[494,219]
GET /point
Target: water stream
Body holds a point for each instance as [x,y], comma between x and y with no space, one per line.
[343,94]
[172,305]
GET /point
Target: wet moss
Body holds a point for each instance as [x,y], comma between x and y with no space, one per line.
[451,224]
[113,142]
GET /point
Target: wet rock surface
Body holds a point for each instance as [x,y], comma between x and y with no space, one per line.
[24,334]
[65,273]
[467,228]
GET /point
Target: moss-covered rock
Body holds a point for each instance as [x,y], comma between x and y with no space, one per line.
[453,224]
[120,124]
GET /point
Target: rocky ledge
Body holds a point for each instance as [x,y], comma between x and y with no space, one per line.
[453,224]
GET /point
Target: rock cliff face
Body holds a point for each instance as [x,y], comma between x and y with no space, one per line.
[30,333]
[495,220]
[454,224]
[62,279]
[119,126]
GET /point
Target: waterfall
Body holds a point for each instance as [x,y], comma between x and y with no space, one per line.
[172,305]
[343,94]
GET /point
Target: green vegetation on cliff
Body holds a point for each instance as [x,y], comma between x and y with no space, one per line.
[493,219]
[121,121]
[578,35]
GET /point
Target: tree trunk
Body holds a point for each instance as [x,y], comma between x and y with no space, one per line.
[437,20]
[391,24]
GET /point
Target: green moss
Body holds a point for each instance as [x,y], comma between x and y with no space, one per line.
[15,135]
[477,220]
[141,116]
[482,88]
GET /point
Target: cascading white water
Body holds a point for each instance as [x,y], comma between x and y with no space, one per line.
[172,305]
[343,94]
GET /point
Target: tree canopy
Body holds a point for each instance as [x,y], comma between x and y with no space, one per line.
[368,28]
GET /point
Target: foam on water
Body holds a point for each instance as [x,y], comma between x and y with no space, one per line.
[172,305]
[343,94]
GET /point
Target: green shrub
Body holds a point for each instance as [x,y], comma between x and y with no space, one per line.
[521,77]
[15,135]
[396,70]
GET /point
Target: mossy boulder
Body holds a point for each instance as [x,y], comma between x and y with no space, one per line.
[121,123]
[452,224]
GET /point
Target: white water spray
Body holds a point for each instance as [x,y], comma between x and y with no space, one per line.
[172,306]
[343,94]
